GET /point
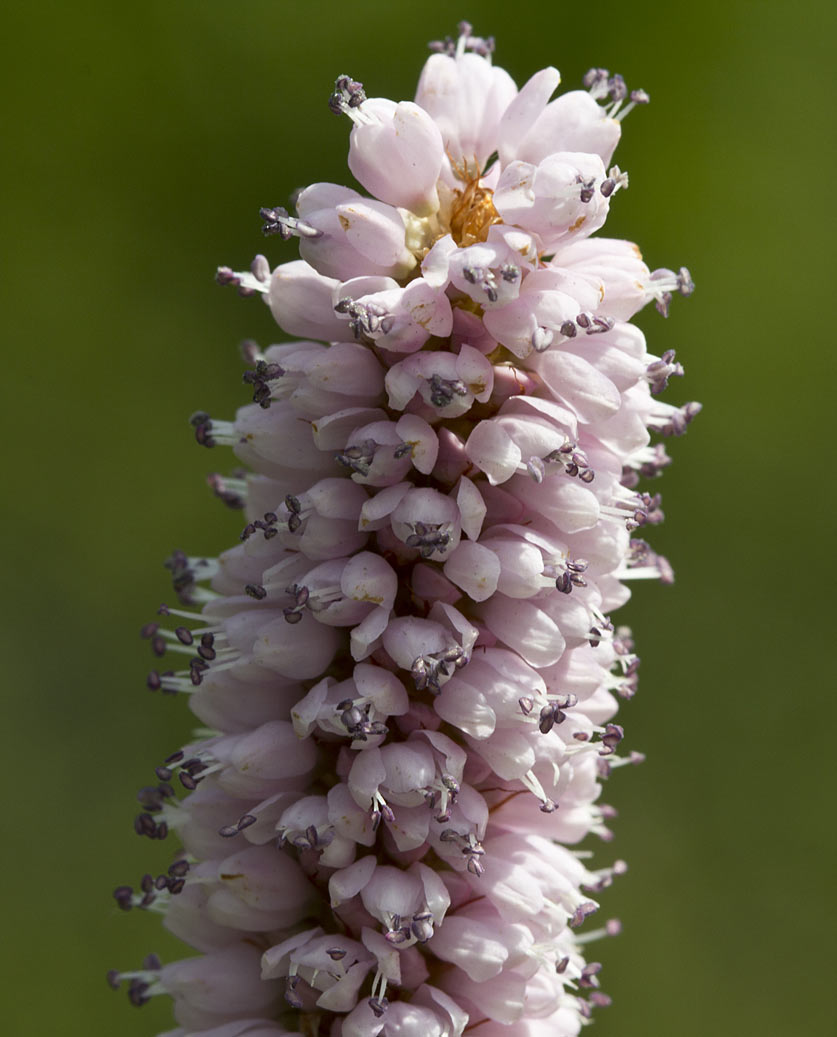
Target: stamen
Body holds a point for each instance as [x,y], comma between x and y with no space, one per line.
[616,180]
[264,379]
[588,188]
[642,563]
[675,422]
[659,372]
[573,461]
[596,82]
[365,319]
[257,279]
[232,490]
[428,669]
[228,831]
[648,463]
[311,838]
[566,573]
[592,325]
[484,278]
[210,433]
[429,537]
[277,221]
[637,97]
[443,390]
[665,282]
[271,525]
[466,41]
[583,910]
[602,85]
[347,97]
[291,996]
[359,456]
[470,846]
[354,715]
[553,713]
[531,782]
[642,509]
[614,733]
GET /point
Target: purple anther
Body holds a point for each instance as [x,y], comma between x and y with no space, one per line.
[613,735]
[581,912]
[378,1005]
[595,78]
[616,88]
[443,390]
[358,457]
[123,895]
[589,973]
[547,719]
[564,583]
[348,93]
[137,993]
[429,538]
[276,222]
[422,927]
[292,998]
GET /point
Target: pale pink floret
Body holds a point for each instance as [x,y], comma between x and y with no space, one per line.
[396,151]
[532,127]
[300,301]
[466,97]
[353,232]
[447,383]
[397,319]
[545,199]
[218,988]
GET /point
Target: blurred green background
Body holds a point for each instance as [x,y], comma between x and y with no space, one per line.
[140,140]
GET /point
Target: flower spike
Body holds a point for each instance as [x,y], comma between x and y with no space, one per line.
[405,670]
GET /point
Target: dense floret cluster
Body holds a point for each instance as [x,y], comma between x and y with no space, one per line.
[406,668]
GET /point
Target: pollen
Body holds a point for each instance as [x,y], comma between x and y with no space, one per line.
[472,213]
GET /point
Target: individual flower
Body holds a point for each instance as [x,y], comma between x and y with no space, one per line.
[406,669]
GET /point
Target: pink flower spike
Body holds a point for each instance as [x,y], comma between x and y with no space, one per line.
[408,662]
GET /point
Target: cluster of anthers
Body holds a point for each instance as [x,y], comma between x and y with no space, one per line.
[406,667]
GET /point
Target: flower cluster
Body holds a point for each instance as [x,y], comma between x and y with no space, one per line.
[406,667]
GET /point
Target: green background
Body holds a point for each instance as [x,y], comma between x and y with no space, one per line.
[140,140]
